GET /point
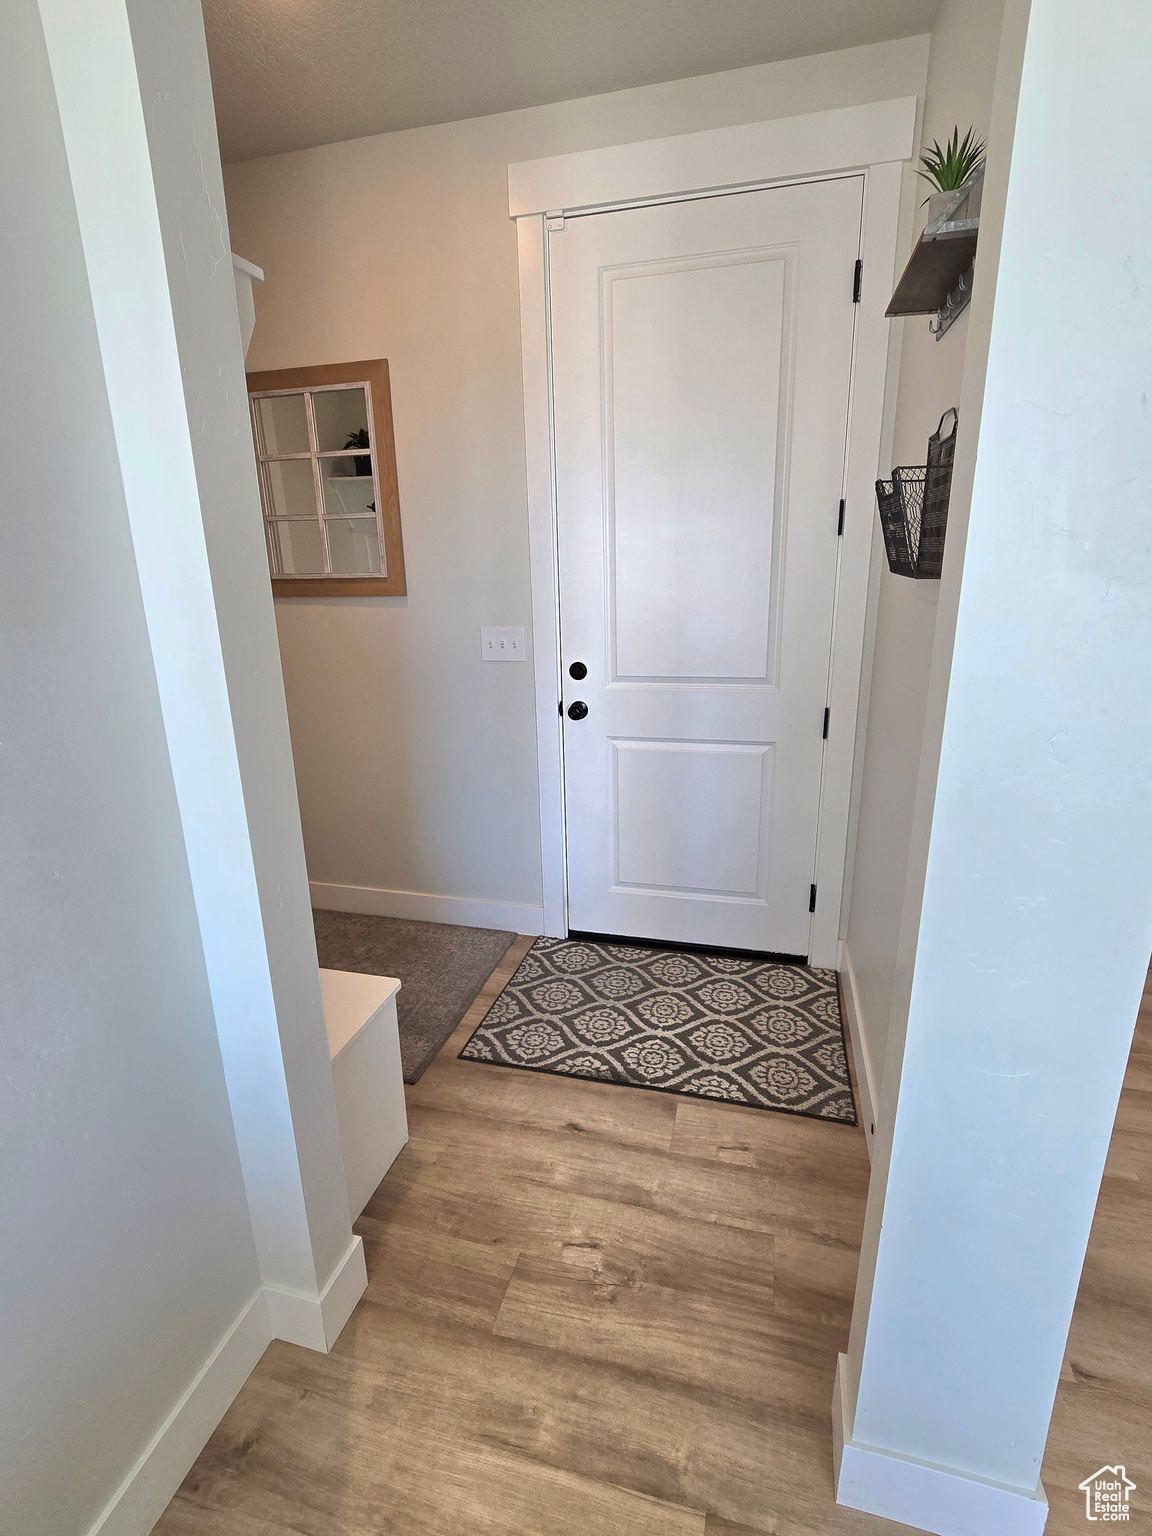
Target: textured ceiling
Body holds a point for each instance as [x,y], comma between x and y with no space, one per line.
[292,73]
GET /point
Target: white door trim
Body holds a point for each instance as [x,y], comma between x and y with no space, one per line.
[720,160]
[717,160]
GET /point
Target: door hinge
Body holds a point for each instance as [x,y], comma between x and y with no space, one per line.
[827,712]
[554,221]
[840,519]
[856,281]
[812,900]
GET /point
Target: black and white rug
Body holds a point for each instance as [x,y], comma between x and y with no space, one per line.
[717,1026]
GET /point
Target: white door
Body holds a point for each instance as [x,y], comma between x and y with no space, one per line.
[701,360]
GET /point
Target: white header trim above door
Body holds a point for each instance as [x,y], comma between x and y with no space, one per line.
[719,159]
[872,140]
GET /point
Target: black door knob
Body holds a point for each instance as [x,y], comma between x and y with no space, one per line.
[578,670]
[577,710]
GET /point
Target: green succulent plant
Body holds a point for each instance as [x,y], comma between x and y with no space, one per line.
[948,168]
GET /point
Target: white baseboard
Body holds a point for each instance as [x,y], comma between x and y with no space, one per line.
[926,1497]
[316,1321]
[272,1313]
[462,910]
[144,1494]
[865,1079]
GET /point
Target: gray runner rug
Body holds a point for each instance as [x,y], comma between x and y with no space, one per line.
[716,1026]
[441,968]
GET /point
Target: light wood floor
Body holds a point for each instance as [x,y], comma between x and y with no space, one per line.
[598,1309]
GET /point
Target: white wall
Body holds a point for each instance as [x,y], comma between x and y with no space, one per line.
[1032,839]
[240,806]
[174,1193]
[126,1248]
[416,764]
[961,75]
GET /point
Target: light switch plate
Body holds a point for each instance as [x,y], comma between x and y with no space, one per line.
[502,644]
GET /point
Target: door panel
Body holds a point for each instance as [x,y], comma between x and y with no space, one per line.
[690,547]
[663,844]
[701,359]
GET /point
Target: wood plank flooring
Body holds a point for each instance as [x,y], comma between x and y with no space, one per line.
[595,1309]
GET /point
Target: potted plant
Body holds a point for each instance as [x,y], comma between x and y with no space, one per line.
[362,461]
[949,168]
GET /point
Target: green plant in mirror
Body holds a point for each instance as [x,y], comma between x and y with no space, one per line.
[949,167]
[360,440]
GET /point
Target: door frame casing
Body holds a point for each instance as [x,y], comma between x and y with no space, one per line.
[873,141]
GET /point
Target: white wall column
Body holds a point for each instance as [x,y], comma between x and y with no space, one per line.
[1034,839]
[149,198]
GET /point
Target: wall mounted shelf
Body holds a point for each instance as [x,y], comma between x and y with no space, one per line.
[938,277]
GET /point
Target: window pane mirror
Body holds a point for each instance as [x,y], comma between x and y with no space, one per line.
[327,462]
[341,418]
[295,548]
[283,423]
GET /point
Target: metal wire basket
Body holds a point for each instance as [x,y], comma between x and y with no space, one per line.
[914,508]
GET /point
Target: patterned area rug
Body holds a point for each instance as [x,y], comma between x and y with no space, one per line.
[717,1026]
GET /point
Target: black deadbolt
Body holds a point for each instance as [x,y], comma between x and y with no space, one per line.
[577,710]
[578,670]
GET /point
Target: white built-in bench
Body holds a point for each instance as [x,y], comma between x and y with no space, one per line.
[364,1043]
